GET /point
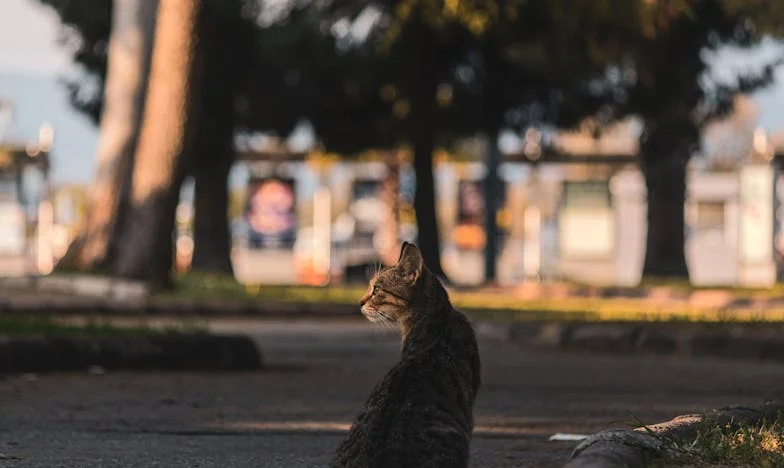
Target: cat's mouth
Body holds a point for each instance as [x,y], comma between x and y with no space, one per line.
[374,315]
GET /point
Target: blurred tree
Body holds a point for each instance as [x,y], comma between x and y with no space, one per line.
[530,66]
[171,116]
[306,71]
[119,105]
[225,38]
[88,24]
[393,86]
[673,91]
[130,48]
[564,61]
[427,72]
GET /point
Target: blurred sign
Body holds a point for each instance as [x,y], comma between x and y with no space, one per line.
[587,222]
[470,233]
[8,187]
[471,204]
[756,236]
[366,207]
[271,213]
[12,228]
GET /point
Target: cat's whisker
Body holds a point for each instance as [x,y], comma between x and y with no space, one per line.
[389,322]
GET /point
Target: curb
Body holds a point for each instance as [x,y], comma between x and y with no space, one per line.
[201,352]
[41,304]
[81,285]
[632,448]
[749,341]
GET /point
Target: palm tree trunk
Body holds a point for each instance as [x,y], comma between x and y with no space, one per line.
[130,51]
[146,249]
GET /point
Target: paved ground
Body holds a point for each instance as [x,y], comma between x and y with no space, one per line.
[293,414]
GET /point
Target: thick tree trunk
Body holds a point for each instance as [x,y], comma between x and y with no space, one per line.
[211,235]
[665,151]
[146,249]
[389,231]
[130,51]
[213,157]
[424,127]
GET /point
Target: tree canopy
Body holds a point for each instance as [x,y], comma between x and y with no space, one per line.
[378,74]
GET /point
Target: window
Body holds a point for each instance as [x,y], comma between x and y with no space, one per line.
[710,217]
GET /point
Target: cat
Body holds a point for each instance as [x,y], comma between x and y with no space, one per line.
[421,412]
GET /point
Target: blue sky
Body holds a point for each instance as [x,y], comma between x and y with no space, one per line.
[32,63]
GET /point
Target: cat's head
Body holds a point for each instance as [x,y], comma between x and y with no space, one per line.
[390,292]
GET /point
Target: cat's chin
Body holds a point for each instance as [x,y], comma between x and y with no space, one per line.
[374,316]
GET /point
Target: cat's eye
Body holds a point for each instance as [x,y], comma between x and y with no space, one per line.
[375,290]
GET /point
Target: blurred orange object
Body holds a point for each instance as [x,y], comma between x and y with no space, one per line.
[308,275]
[469,237]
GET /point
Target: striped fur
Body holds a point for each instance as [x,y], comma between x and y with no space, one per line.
[421,413]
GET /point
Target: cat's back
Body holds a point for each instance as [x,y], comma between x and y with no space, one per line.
[421,413]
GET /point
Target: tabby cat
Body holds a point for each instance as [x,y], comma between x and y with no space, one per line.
[421,413]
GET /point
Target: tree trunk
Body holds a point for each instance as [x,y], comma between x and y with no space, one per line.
[493,109]
[665,151]
[389,230]
[211,234]
[146,249]
[214,153]
[492,192]
[424,127]
[130,51]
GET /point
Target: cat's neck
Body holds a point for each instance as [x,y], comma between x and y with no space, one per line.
[428,308]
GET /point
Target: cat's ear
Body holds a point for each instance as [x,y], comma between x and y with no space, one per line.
[410,263]
[403,247]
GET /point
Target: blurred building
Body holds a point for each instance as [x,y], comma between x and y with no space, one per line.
[26,213]
[574,207]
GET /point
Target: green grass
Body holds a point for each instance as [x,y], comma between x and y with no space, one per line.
[18,325]
[750,445]
[485,305]
[479,304]
[683,285]
[212,286]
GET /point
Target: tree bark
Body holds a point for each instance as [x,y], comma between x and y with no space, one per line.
[147,244]
[130,51]
[389,230]
[223,46]
[493,108]
[492,185]
[211,234]
[665,150]
[424,127]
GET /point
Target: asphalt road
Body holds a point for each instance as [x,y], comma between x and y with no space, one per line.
[294,413]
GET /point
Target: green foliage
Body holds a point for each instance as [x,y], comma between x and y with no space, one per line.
[87,24]
[498,63]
